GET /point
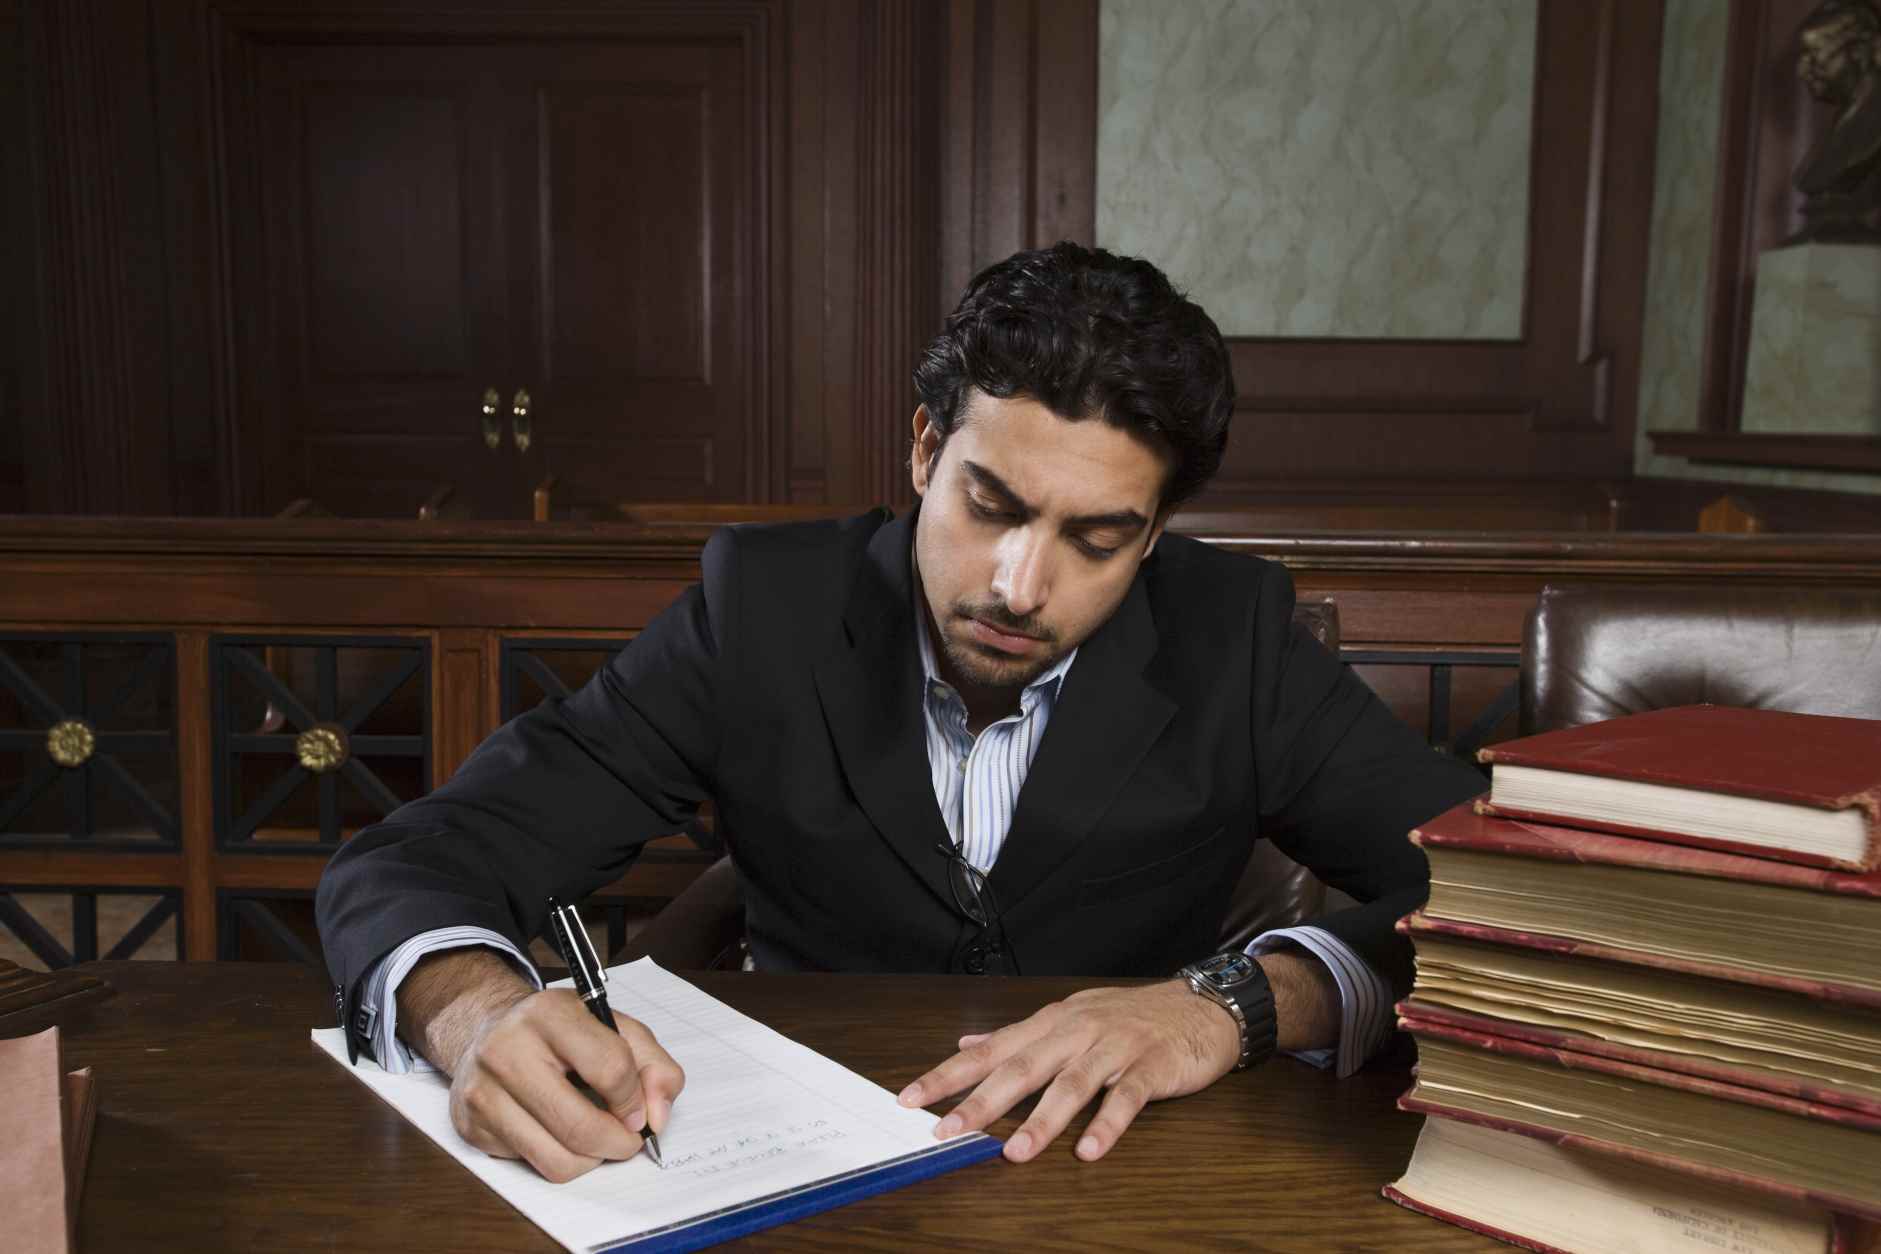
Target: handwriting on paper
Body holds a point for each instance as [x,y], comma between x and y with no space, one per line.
[755,1147]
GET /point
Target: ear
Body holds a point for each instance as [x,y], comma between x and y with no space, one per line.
[926,442]
[1156,530]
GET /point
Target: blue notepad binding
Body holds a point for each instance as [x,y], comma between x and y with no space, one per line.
[780,1208]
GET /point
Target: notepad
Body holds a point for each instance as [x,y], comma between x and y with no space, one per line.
[766,1131]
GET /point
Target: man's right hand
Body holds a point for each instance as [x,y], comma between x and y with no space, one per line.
[508,1050]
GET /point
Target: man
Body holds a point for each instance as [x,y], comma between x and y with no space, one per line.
[1019,729]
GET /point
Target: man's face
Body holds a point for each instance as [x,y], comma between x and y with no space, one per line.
[1031,529]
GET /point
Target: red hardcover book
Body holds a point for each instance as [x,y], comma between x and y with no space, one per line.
[1802,788]
[1799,1088]
[1531,1089]
[1623,899]
[1531,1192]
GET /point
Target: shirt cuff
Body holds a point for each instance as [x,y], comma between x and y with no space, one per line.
[1365,1010]
[379,1000]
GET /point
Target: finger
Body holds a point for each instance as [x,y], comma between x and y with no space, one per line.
[536,1079]
[661,1078]
[1019,1073]
[976,1061]
[972,1039]
[1073,1088]
[605,1060]
[1122,1105]
[502,1127]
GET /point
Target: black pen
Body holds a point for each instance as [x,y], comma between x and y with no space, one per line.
[584,968]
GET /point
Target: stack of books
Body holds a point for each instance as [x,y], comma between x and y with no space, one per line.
[1648,994]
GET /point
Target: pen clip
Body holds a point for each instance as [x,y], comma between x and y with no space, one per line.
[595,969]
[564,927]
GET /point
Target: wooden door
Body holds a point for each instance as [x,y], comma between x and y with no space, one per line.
[382,241]
[630,242]
[558,228]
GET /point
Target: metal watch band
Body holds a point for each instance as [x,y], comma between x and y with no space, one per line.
[1252,1005]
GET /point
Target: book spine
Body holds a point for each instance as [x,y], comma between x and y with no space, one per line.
[1575,1060]
[1392,1193]
[1411,1011]
[1415,1104]
[1821,990]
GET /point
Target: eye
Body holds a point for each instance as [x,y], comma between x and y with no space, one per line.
[990,512]
[1096,552]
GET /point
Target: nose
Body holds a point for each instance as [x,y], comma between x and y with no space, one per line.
[1023,577]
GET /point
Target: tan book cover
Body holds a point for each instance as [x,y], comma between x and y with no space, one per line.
[42,1157]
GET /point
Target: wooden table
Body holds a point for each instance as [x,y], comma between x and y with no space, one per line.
[221,1126]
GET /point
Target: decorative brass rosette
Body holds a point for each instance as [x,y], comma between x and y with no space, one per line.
[70,742]
[321,748]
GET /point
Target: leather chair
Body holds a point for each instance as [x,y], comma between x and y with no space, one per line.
[703,927]
[1593,652]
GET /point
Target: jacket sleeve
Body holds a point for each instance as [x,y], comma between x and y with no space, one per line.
[1342,781]
[556,802]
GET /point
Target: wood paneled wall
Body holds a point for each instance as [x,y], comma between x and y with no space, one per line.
[265,251]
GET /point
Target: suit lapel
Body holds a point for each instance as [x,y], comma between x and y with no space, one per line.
[1106,718]
[870,688]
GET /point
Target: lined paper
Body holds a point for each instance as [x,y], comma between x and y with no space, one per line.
[761,1118]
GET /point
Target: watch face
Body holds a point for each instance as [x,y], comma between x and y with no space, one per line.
[1227,970]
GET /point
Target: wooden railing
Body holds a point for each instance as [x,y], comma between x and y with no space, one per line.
[195,713]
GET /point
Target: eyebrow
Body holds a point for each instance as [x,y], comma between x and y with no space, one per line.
[1127,518]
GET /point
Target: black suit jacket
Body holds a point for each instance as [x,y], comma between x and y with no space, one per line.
[786,687]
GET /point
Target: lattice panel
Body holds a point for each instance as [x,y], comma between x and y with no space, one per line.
[88,740]
[47,928]
[535,669]
[267,925]
[317,737]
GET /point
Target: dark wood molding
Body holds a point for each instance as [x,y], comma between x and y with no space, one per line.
[1019,136]
[1760,138]
[1655,504]
[1858,453]
[105,442]
[1563,395]
[21,356]
[389,550]
[896,214]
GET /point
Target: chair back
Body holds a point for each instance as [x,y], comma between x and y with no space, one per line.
[1593,652]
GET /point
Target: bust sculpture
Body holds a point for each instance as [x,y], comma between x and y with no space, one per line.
[1839,61]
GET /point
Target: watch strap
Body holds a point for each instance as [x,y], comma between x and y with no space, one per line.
[1251,1002]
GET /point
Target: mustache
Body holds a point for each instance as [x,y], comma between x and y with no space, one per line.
[997,615]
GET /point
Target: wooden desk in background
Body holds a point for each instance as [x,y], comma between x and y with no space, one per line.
[221,1126]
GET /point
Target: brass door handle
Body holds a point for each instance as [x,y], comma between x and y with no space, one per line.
[519,427]
[492,433]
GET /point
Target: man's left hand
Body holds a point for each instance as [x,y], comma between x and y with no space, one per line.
[1143,1044]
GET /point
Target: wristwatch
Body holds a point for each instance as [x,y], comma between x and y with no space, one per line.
[1237,984]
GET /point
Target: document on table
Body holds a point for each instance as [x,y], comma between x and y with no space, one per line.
[765,1131]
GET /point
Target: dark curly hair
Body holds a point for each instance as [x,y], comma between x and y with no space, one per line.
[1088,334]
